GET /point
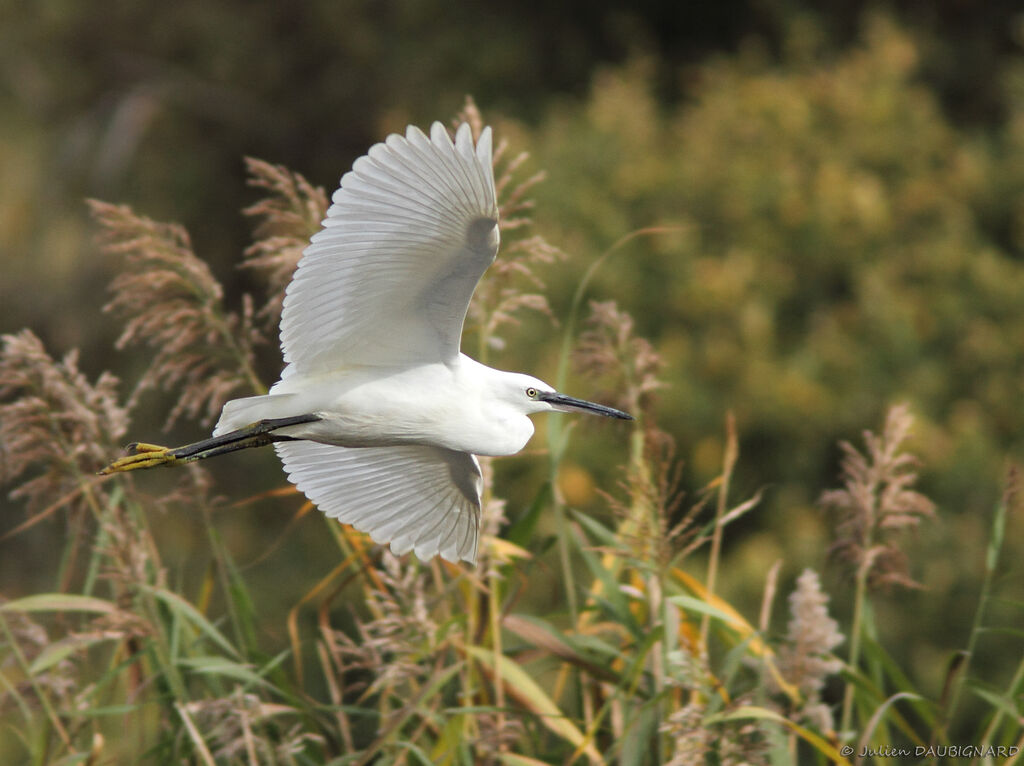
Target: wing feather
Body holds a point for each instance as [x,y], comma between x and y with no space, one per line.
[389,277]
[421,499]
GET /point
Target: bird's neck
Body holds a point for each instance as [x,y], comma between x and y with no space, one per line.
[488,420]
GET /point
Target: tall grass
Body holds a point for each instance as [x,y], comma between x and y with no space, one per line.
[644,661]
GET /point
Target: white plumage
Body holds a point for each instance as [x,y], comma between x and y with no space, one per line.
[377,416]
[390,276]
[421,499]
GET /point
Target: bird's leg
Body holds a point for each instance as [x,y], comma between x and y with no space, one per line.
[258,434]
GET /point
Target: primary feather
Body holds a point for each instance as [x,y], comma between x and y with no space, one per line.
[389,277]
[420,499]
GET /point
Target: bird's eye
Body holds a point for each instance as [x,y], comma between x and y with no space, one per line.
[532,393]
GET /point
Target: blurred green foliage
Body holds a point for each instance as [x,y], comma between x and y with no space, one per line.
[841,246]
[846,192]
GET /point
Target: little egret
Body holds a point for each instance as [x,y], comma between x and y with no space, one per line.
[378,417]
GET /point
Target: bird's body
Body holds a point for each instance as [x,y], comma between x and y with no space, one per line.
[378,416]
[462,405]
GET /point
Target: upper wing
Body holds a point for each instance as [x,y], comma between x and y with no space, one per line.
[421,499]
[389,277]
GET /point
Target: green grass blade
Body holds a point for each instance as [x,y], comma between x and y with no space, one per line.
[521,530]
[998,701]
[924,708]
[182,608]
[55,652]
[542,634]
[59,602]
[750,712]
[511,759]
[398,720]
[691,604]
[519,684]
[220,666]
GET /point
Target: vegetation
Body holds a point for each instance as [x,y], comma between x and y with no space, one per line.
[812,239]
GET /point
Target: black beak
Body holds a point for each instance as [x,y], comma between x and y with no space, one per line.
[572,404]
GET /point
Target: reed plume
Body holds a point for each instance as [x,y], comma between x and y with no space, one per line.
[877,503]
[170,302]
[284,221]
[56,428]
[513,283]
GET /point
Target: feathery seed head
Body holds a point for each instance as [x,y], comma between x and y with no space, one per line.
[878,501]
[171,302]
[285,220]
[54,420]
[626,366]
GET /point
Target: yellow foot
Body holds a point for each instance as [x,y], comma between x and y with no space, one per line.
[141,455]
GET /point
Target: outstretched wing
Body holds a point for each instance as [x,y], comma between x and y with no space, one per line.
[421,499]
[389,277]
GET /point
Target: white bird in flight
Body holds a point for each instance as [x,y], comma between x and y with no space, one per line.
[378,417]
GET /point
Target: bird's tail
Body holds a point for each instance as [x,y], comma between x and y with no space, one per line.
[239,413]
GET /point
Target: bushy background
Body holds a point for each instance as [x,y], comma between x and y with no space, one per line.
[838,196]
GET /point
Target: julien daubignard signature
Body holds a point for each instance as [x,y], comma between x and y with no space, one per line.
[935,751]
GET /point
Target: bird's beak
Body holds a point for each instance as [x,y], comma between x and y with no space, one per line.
[572,404]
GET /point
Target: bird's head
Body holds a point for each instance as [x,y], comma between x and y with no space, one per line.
[531,395]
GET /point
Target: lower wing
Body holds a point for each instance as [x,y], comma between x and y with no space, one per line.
[420,499]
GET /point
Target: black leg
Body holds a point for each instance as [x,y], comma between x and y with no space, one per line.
[240,439]
[258,434]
